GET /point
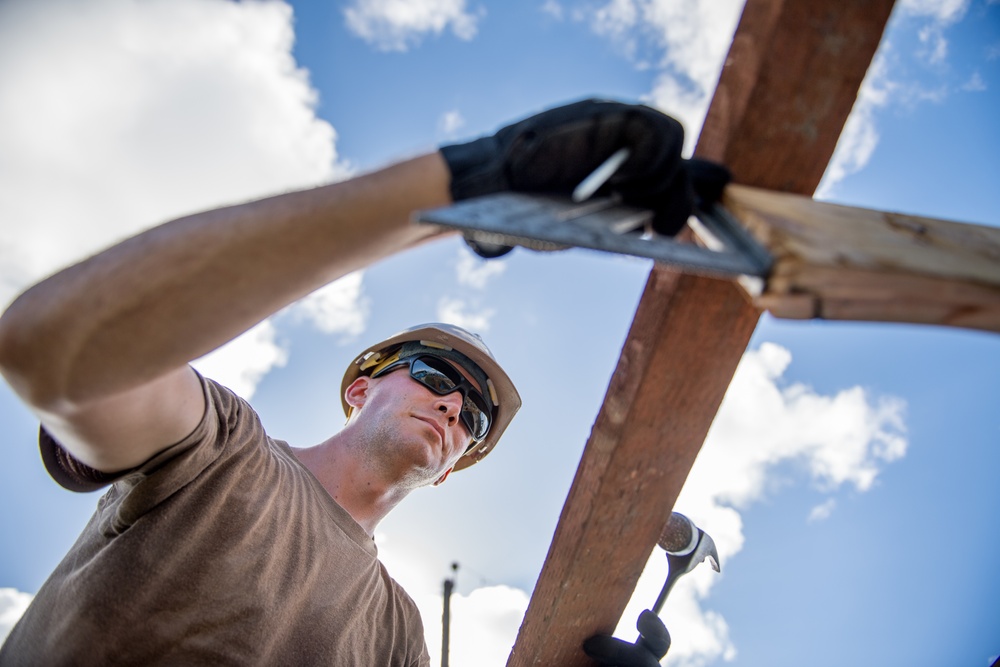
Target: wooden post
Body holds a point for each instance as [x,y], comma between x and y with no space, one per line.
[784,94]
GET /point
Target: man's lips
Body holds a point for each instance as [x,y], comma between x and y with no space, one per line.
[434,425]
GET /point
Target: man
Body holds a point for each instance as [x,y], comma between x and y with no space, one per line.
[216,543]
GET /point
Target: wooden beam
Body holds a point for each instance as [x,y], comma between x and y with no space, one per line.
[844,263]
[676,362]
[784,94]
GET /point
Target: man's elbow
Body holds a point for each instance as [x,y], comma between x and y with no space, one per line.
[23,363]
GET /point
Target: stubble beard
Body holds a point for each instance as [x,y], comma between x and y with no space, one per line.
[392,458]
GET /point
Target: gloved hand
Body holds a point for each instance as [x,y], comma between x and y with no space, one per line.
[708,180]
[553,151]
[652,645]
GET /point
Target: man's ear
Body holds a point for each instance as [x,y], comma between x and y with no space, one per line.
[357,392]
[440,480]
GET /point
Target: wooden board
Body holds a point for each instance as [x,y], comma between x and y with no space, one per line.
[845,263]
[784,94]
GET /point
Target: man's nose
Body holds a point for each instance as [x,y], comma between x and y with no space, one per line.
[451,406]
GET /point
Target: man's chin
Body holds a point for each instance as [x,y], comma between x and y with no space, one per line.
[423,464]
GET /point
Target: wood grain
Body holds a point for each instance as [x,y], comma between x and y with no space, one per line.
[846,263]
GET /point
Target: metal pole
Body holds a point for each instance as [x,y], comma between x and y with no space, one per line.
[449,586]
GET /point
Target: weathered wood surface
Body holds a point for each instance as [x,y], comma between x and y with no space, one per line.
[844,263]
[784,94]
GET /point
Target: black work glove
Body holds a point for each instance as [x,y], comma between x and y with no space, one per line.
[652,645]
[553,151]
[708,180]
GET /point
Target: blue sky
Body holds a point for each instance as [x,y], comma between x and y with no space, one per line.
[850,477]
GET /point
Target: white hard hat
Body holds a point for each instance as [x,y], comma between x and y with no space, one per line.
[448,337]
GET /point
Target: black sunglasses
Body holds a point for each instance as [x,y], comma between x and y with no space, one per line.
[442,378]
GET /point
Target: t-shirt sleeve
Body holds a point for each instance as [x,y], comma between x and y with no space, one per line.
[72,474]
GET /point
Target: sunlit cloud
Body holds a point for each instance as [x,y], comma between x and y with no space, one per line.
[684,41]
[618,19]
[338,308]
[484,620]
[12,605]
[117,116]
[823,510]
[484,625]
[944,11]
[974,84]
[860,135]
[941,14]
[398,25]
[553,9]
[935,46]
[241,363]
[465,315]
[883,88]
[473,271]
[450,123]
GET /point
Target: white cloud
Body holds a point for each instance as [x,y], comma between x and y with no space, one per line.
[975,84]
[241,363]
[686,102]
[764,427]
[12,605]
[115,116]
[460,313]
[617,20]
[484,625]
[860,136]
[450,123]
[935,45]
[397,25]
[822,511]
[939,14]
[473,271]
[944,11]
[553,9]
[880,90]
[685,40]
[338,308]
[484,621]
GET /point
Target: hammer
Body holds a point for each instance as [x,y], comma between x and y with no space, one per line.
[686,545]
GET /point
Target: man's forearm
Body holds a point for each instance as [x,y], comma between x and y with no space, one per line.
[167,296]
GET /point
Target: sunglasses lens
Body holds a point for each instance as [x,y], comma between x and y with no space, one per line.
[440,377]
[476,417]
[435,379]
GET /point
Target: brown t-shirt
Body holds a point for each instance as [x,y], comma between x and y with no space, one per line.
[221,550]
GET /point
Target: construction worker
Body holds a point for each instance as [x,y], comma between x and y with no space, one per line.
[216,543]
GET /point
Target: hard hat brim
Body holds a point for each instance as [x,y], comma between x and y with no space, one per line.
[508,401]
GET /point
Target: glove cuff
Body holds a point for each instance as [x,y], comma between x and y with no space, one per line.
[476,168]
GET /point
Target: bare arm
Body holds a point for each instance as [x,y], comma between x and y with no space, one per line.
[100,350]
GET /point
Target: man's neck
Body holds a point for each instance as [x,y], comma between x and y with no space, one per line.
[366,496]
